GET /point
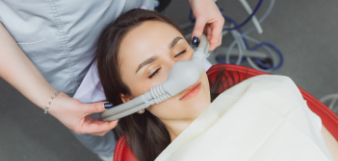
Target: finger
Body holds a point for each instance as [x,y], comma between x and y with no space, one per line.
[199,27]
[97,127]
[209,33]
[219,41]
[100,134]
[210,38]
[94,108]
[103,132]
[91,120]
[216,32]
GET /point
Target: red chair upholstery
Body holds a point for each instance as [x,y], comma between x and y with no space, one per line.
[233,75]
[122,151]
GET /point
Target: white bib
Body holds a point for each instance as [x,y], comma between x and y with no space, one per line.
[263,118]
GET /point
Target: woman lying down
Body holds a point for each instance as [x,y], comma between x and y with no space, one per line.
[264,118]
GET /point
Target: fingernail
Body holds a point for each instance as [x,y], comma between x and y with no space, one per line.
[195,40]
[108,105]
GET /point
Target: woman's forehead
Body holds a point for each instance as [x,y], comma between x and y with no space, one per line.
[147,39]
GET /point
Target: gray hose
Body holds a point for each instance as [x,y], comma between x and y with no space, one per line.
[124,113]
[334,98]
[241,46]
[240,49]
[240,43]
[267,12]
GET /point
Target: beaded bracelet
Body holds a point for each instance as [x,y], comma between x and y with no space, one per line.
[50,101]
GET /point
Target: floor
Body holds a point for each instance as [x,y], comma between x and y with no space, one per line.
[305,31]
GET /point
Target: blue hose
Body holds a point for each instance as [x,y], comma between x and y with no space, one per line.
[238,28]
[258,61]
[193,20]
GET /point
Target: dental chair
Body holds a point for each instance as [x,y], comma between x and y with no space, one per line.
[240,73]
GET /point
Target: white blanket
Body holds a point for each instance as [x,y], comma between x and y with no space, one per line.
[263,118]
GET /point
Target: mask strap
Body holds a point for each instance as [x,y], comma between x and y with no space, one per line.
[145,100]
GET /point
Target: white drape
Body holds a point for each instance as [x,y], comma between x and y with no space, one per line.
[263,118]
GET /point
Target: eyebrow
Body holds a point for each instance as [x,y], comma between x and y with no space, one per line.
[147,61]
[174,41]
[153,58]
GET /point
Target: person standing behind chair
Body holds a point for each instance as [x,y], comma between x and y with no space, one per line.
[52,45]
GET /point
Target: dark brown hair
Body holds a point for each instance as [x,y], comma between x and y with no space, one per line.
[146,135]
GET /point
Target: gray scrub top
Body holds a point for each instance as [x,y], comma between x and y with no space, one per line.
[60,36]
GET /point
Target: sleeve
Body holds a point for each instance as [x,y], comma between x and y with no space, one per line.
[0,19]
[90,89]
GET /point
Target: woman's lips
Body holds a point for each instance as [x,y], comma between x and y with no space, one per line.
[191,92]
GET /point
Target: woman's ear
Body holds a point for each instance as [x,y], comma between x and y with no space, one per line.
[125,98]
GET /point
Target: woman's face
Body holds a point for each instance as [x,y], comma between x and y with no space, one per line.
[146,55]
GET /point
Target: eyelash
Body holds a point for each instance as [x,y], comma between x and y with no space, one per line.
[182,52]
[154,73]
[157,70]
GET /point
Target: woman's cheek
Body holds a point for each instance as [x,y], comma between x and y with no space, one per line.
[168,109]
[175,109]
[141,87]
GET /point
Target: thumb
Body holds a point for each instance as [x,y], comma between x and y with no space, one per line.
[94,108]
[199,27]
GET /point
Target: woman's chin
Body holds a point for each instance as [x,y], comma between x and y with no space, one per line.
[197,107]
[199,102]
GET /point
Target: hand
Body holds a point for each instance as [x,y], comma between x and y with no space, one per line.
[15,65]
[209,21]
[75,115]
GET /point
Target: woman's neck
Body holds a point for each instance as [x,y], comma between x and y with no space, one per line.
[176,127]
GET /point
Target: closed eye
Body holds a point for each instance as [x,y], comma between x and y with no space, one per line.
[153,74]
[180,53]
[157,70]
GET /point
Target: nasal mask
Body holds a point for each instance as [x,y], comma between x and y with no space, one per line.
[182,75]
